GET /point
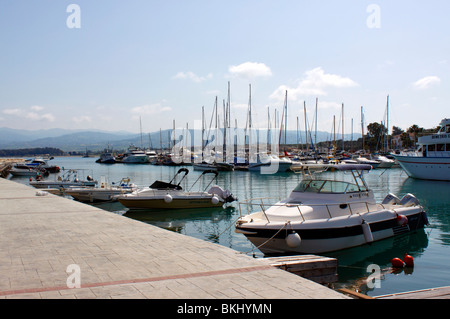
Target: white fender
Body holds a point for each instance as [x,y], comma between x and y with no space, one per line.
[215,200]
[293,240]
[367,232]
[168,198]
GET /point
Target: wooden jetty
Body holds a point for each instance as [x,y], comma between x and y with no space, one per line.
[322,270]
[432,293]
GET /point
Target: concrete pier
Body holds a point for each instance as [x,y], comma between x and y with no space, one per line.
[53,247]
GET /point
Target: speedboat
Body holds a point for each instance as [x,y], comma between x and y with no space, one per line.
[27,170]
[322,215]
[215,166]
[70,178]
[163,195]
[270,164]
[34,167]
[366,160]
[105,192]
[384,161]
[431,160]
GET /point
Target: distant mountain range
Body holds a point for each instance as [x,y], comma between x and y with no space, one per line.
[94,140]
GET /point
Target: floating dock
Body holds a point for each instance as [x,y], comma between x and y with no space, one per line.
[54,247]
[322,270]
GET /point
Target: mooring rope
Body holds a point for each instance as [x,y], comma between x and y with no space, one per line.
[267,239]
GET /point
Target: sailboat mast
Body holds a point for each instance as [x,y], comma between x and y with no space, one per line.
[306,125]
[387,116]
[342,126]
[362,127]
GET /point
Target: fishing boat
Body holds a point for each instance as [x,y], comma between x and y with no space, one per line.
[70,178]
[168,195]
[104,192]
[107,157]
[431,160]
[322,215]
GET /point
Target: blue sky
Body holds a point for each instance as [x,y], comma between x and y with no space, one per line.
[163,60]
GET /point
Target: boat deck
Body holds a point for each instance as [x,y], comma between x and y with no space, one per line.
[53,247]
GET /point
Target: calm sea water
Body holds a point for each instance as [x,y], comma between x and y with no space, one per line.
[429,247]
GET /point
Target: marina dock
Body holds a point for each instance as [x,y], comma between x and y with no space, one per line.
[54,247]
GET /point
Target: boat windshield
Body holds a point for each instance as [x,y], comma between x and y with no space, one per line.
[328,186]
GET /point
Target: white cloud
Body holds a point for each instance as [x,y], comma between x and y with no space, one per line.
[250,70]
[36,108]
[32,114]
[150,109]
[12,112]
[426,82]
[192,76]
[314,83]
[82,119]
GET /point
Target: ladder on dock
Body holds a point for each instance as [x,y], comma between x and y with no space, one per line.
[319,269]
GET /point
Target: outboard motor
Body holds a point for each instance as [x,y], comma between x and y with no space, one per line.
[409,200]
[225,194]
[391,199]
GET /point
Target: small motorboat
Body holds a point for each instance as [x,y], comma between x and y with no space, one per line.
[105,192]
[323,215]
[163,195]
[70,178]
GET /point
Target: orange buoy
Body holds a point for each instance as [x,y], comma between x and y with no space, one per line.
[397,263]
[409,260]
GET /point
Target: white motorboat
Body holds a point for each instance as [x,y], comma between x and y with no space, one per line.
[134,155]
[34,167]
[70,178]
[384,161]
[365,159]
[323,215]
[163,195]
[27,170]
[431,160]
[216,166]
[104,192]
[270,164]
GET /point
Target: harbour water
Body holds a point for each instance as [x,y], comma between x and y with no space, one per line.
[430,247]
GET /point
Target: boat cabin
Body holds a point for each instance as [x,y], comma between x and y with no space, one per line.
[436,145]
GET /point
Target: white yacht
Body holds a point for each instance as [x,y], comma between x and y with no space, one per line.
[431,160]
[134,155]
[322,215]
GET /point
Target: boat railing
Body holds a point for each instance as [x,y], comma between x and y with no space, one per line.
[331,210]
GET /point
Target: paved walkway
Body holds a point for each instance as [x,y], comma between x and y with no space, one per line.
[50,244]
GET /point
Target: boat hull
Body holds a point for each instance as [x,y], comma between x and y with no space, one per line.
[428,168]
[160,203]
[62,184]
[96,195]
[323,240]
